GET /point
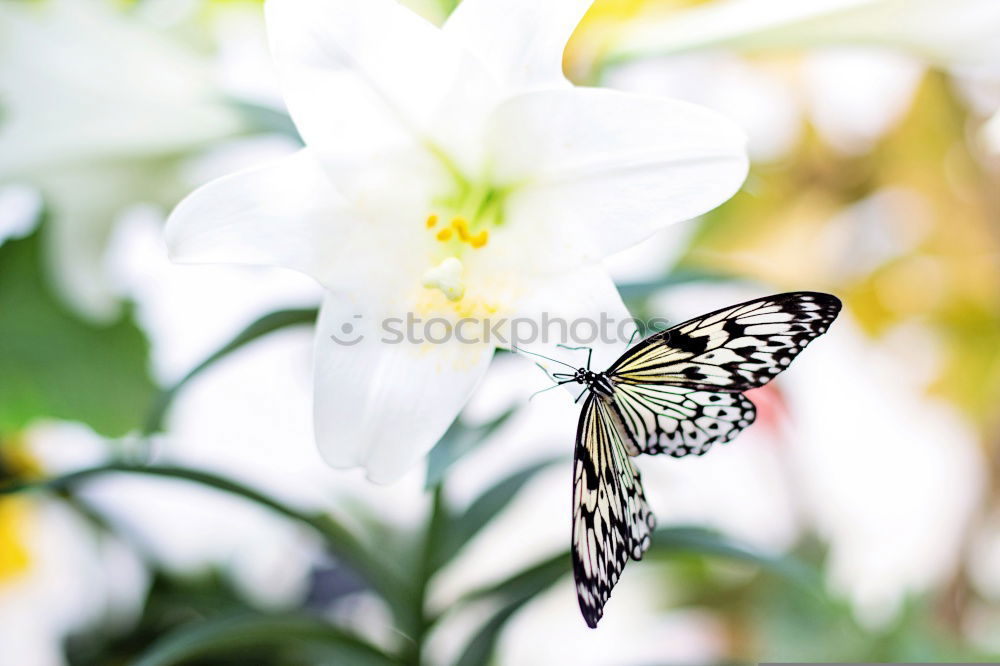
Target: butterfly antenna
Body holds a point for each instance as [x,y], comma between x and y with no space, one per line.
[635,334]
[525,351]
[547,373]
[590,351]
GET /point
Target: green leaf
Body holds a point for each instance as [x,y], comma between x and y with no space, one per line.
[460,530]
[269,323]
[516,591]
[513,594]
[702,541]
[248,632]
[341,541]
[481,648]
[55,365]
[459,440]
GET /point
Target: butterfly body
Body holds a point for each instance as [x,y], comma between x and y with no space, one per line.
[597,383]
[677,392]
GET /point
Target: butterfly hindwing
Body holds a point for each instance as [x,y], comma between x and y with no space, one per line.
[680,421]
[611,519]
[733,349]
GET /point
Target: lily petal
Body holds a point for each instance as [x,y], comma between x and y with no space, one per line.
[575,308]
[605,169]
[521,42]
[383,405]
[363,77]
[285,214]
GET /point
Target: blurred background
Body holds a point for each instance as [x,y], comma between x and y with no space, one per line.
[162,498]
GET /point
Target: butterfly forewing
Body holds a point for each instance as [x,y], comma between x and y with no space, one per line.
[733,349]
[611,520]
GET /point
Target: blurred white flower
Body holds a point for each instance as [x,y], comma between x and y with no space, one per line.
[991,134]
[960,32]
[94,108]
[57,575]
[889,477]
[450,173]
[19,208]
[863,62]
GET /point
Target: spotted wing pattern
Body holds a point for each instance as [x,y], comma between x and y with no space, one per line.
[611,520]
[733,349]
[679,421]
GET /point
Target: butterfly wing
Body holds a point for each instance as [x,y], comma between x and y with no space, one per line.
[611,520]
[678,392]
[733,349]
[679,421]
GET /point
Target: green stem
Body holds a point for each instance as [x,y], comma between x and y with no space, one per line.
[426,567]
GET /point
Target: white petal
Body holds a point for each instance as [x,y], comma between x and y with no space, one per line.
[285,214]
[607,169]
[521,42]
[576,308]
[363,77]
[383,406]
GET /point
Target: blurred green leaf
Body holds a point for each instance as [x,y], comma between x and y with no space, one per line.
[459,440]
[461,529]
[342,542]
[525,584]
[269,323]
[512,593]
[703,541]
[248,632]
[519,589]
[55,365]
[482,647]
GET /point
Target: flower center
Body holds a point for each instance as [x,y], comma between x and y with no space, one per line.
[465,231]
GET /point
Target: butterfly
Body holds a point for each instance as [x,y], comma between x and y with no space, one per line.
[677,392]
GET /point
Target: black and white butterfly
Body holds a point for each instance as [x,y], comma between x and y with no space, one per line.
[677,392]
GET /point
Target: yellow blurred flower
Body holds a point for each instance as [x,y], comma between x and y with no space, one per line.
[14,556]
[15,512]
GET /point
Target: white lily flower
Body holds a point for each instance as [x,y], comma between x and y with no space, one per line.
[451,173]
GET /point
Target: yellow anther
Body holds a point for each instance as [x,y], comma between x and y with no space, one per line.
[461,225]
[480,239]
[444,234]
[432,221]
